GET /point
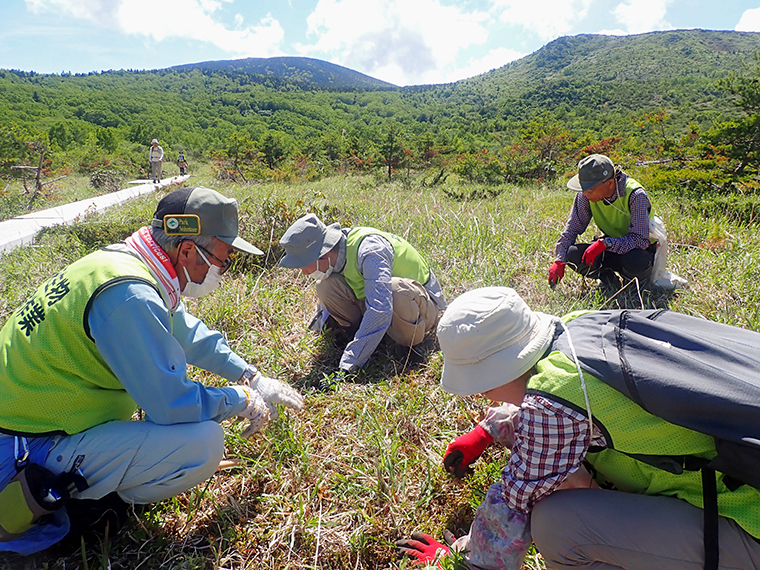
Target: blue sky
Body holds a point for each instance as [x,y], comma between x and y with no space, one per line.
[405,42]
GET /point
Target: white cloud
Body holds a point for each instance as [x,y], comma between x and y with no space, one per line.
[640,16]
[400,41]
[750,21]
[164,19]
[98,11]
[545,18]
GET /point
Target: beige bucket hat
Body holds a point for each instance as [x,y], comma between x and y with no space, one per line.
[489,337]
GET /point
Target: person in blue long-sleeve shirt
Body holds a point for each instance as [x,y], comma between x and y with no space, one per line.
[370,282]
[109,334]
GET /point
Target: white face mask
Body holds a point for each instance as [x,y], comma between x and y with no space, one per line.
[318,275]
[210,282]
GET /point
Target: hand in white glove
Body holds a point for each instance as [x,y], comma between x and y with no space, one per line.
[257,412]
[273,391]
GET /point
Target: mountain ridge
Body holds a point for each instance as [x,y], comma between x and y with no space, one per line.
[305,71]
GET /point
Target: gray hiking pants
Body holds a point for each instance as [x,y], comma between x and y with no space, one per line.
[599,530]
[143,462]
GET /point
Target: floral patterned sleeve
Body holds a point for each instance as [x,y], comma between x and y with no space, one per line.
[499,536]
[500,423]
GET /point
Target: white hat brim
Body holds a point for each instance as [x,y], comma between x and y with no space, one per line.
[503,366]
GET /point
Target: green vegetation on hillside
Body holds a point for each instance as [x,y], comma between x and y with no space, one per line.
[682,102]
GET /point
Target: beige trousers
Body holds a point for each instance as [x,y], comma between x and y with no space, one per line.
[414,313]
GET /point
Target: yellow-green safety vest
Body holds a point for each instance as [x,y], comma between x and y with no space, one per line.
[52,377]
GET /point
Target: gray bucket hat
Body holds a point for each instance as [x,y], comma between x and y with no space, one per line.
[307,240]
[490,337]
[592,170]
[201,211]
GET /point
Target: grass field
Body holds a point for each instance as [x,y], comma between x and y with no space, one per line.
[334,485]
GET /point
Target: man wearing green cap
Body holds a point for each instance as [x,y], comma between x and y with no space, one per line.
[620,207]
[109,334]
[370,282]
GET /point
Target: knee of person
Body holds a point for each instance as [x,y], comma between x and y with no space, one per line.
[547,520]
[208,443]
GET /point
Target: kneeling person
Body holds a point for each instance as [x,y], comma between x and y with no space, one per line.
[105,335]
[620,207]
[369,281]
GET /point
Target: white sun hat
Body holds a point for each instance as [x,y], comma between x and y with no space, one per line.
[490,337]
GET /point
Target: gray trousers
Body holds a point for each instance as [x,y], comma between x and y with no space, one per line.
[143,462]
[599,530]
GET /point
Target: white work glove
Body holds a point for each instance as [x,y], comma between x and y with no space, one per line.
[257,412]
[273,391]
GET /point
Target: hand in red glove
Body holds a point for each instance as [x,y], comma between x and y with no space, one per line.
[465,449]
[423,547]
[593,251]
[556,272]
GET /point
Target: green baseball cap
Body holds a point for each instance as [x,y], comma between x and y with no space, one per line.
[201,211]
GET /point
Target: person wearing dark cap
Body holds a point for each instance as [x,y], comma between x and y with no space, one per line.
[104,336]
[182,163]
[370,283]
[156,159]
[620,208]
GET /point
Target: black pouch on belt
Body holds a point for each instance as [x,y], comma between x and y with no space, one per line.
[34,493]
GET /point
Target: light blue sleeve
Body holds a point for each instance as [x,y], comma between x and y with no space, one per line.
[375,258]
[206,348]
[131,329]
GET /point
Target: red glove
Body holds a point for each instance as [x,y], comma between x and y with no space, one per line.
[423,547]
[556,272]
[465,449]
[592,251]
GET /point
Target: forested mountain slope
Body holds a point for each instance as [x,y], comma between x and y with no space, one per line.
[589,83]
[303,71]
[587,79]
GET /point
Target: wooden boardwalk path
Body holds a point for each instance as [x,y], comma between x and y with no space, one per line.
[22,230]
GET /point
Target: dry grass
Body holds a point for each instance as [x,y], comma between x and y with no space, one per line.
[332,486]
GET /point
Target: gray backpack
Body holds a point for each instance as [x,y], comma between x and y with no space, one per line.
[691,372]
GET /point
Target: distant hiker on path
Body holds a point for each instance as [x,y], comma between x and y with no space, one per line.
[156,159]
[370,283]
[643,507]
[182,163]
[621,209]
[102,337]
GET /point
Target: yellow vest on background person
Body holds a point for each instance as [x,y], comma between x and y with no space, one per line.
[407,262]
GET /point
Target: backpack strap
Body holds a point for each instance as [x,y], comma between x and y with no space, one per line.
[710,518]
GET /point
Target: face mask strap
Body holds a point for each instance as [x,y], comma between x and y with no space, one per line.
[203,257]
